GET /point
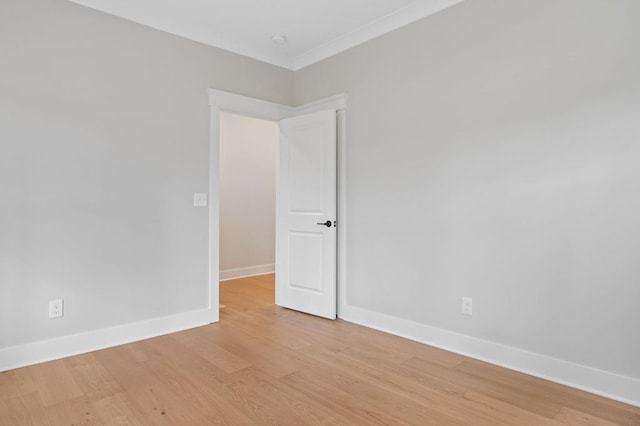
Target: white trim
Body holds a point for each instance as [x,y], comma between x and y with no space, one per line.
[341,272]
[230,102]
[337,102]
[599,382]
[190,32]
[266,110]
[408,14]
[62,347]
[249,271]
[239,104]
[413,12]
[214,213]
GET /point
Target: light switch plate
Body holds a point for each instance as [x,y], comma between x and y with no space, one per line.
[200,200]
[467,306]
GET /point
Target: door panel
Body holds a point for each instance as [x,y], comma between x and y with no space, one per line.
[305,260]
[305,195]
[305,246]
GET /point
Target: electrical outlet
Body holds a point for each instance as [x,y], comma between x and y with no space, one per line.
[467,306]
[56,308]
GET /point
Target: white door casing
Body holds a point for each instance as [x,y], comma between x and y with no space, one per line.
[226,101]
[306,214]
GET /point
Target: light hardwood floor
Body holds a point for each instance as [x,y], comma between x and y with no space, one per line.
[266,365]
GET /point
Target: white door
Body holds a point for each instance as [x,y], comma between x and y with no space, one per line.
[306,214]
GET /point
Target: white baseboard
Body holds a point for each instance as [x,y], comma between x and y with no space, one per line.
[607,384]
[62,347]
[250,271]
[603,383]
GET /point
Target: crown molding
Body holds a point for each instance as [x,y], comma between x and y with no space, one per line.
[411,13]
[194,34]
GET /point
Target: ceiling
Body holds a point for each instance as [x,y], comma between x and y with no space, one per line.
[315,29]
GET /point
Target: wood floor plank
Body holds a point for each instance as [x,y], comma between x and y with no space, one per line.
[212,352]
[359,409]
[91,377]
[453,400]
[248,390]
[154,397]
[54,382]
[275,359]
[203,381]
[508,394]
[117,409]
[568,416]
[159,389]
[407,408]
[507,413]
[308,410]
[449,403]
[36,410]
[266,365]
[16,383]
[14,412]
[548,391]
[77,411]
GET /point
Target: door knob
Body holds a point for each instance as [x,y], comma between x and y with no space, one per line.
[327,223]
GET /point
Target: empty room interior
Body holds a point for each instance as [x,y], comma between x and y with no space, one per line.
[343,212]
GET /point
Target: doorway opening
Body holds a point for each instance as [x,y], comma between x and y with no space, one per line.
[248,149]
[225,102]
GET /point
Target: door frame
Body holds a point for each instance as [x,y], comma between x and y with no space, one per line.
[238,104]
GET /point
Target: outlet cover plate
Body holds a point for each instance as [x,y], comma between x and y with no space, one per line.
[56,308]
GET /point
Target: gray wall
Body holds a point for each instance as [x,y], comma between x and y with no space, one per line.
[493,152]
[104,133]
